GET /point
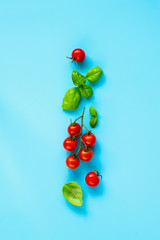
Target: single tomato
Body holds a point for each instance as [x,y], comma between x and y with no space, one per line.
[74,129]
[78,55]
[70,144]
[85,154]
[89,139]
[72,162]
[92,178]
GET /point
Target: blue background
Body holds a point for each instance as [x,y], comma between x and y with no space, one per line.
[123,38]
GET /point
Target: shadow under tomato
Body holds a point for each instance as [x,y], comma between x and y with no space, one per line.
[96,161]
[84,66]
[96,191]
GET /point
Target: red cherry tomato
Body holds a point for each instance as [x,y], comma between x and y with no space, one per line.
[78,55]
[85,154]
[70,144]
[89,139]
[72,162]
[92,179]
[74,129]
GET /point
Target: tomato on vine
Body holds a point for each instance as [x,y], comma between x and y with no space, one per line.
[72,161]
[85,154]
[92,178]
[74,129]
[70,144]
[78,55]
[89,139]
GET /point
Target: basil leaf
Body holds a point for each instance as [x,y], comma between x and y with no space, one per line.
[86,90]
[77,78]
[93,122]
[71,99]
[94,74]
[73,193]
[93,111]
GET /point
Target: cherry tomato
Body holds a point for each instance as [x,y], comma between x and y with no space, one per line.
[92,178]
[85,154]
[74,129]
[72,162]
[78,55]
[89,139]
[70,144]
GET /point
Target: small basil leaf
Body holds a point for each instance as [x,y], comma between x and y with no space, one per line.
[86,90]
[73,193]
[94,74]
[93,111]
[77,78]
[71,99]
[93,121]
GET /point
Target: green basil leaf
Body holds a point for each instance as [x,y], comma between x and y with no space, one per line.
[71,99]
[73,193]
[86,90]
[93,111]
[94,74]
[77,78]
[93,121]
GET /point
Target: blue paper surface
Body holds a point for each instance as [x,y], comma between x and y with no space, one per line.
[121,37]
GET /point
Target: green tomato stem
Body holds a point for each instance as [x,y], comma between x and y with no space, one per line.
[98,173]
[80,134]
[77,119]
[73,59]
[88,131]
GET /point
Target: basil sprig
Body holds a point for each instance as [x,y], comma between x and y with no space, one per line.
[73,95]
[73,193]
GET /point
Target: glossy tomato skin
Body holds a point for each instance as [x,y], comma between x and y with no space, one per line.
[89,139]
[74,129]
[78,55]
[69,144]
[72,162]
[92,179]
[85,154]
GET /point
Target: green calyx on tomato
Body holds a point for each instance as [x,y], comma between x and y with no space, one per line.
[98,173]
[86,149]
[72,137]
[88,132]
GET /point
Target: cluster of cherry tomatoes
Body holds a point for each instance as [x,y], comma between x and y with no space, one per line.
[84,153]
